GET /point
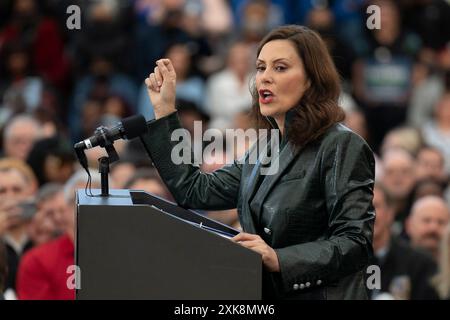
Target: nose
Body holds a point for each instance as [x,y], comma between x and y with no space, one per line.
[266,76]
[434,227]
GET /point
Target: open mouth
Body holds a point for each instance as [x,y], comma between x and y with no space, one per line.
[265,96]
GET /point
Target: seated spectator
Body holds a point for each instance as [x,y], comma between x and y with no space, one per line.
[426,224]
[427,187]
[52,160]
[254,18]
[228,90]
[19,135]
[215,17]
[17,185]
[405,272]
[49,201]
[436,132]
[406,138]
[42,272]
[430,163]
[399,180]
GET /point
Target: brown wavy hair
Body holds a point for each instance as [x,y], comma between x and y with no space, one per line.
[318,108]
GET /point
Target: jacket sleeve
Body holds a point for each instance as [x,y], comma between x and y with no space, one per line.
[347,172]
[190,187]
[32,283]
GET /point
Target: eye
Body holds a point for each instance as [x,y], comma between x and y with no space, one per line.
[280,68]
[260,68]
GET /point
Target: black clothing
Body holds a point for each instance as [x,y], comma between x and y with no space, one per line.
[407,272]
[315,210]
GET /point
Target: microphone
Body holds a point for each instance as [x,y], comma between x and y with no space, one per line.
[128,128]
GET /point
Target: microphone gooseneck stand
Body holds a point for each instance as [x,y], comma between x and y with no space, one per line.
[128,128]
[104,162]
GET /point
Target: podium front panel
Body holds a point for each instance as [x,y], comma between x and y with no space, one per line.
[129,251]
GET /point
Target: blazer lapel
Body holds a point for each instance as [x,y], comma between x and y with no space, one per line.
[255,175]
[284,158]
[247,221]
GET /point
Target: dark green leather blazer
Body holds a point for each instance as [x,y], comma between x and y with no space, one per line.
[316,211]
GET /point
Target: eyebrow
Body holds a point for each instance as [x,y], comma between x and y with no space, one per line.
[276,60]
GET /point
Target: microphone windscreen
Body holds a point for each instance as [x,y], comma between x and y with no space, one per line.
[134,126]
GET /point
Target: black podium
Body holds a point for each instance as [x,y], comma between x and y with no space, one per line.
[132,245]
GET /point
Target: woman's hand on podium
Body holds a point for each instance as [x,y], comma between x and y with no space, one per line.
[161,88]
[257,244]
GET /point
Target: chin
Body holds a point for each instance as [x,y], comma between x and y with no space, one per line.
[267,111]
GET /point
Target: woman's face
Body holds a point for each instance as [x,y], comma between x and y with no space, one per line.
[280,78]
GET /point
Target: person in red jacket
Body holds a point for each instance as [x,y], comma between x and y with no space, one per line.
[44,272]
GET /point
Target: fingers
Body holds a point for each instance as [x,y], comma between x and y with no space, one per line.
[158,75]
[166,68]
[243,236]
[152,83]
[253,244]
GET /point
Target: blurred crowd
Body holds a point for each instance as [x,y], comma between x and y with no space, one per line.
[57,85]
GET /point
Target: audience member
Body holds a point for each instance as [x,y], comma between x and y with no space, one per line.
[43,270]
[405,272]
[399,180]
[427,222]
[18,185]
[228,90]
[49,201]
[436,132]
[19,135]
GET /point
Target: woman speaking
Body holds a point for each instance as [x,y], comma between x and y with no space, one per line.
[311,221]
